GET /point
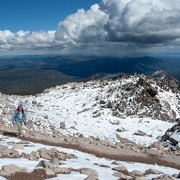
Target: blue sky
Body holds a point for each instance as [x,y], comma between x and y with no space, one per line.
[90,27]
[35,15]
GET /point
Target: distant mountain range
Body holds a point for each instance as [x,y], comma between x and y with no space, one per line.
[32,74]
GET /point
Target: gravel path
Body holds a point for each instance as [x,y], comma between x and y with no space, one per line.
[119,153]
[124,153]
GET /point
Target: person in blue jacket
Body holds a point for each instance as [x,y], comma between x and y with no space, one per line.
[19,118]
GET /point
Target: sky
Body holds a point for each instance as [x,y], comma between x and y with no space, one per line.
[90,27]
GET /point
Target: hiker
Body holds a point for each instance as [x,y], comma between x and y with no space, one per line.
[19,118]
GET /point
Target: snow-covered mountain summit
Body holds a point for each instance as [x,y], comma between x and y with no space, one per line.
[166,78]
[100,108]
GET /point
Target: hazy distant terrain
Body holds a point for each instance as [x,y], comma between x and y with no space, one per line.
[30,80]
[33,74]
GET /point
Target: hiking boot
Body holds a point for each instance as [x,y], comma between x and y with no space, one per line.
[20,135]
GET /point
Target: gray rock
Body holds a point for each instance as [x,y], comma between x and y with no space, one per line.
[55,161]
[152,171]
[140,133]
[121,169]
[91,177]
[50,172]
[163,177]
[136,173]
[3,148]
[89,172]
[158,146]
[18,146]
[11,169]
[61,170]
[45,164]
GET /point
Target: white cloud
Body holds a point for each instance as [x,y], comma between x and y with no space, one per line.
[123,25]
[83,26]
[25,40]
[139,21]
[113,27]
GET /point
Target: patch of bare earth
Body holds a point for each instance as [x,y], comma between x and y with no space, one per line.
[37,174]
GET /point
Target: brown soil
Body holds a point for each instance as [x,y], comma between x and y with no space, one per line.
[119,156]
[37,174]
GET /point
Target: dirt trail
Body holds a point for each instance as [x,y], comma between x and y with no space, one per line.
[110,152]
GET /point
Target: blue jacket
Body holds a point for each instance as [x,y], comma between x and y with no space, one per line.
[16,117]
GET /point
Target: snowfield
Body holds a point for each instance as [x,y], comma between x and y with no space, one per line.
[96,110]
[77,106]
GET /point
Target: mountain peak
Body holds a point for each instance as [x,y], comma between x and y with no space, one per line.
[74,107]
[166,78]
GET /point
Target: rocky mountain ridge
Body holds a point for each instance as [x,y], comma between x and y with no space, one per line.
[94,117]
[132,96]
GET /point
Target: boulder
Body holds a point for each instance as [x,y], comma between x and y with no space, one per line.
[136,173]
[121,169]
[152,171]
[10,169]
[163,177]
[158,146]
[50,172]
[59,170]
[45,164]
[89,172]
[18,146]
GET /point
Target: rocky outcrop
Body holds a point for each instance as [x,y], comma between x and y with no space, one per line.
[140,93]
[171,138]
[166,79]
[130,96]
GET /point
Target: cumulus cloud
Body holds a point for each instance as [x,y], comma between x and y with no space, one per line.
[112,27]
[83,26]
[25,40]
[144,22]
[123,26]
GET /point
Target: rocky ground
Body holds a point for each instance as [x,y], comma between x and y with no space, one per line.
[64,116]
[125,150]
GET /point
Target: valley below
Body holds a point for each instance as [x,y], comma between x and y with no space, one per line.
[30,75]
